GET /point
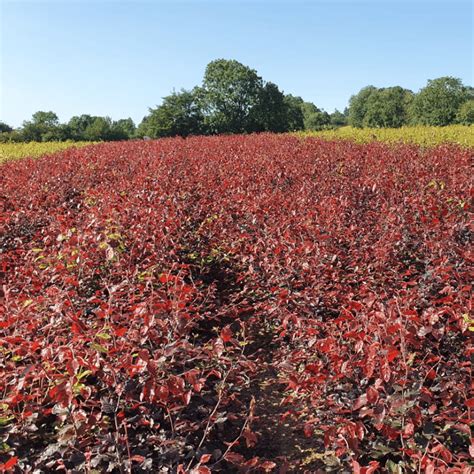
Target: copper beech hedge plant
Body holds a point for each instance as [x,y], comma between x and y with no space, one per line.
[187,305]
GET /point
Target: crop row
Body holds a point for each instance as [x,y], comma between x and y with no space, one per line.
[11,151]
[191,304]
[420,135]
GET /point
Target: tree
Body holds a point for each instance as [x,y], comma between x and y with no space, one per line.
[42,127]
[229,94]
[465,113]
[387,107]
[295,118]
[100,129]
[143,126]
[439,101]
[78,125]
[179,114]
[358,106]
[5,128]
[123,129]
[271,112]
[337,119]
[313,117]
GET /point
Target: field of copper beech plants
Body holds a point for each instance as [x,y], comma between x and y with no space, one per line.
[262,303]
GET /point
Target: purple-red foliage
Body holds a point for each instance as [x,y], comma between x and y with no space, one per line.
[139,277]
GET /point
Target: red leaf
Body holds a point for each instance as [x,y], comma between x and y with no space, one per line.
[409,430]
[312,368]
[470,402]
[226,334]
[9,464]
[218,347]
[234,458]
[120,331]
[268,466]
[385,371]
[360,402]
[392,354]
[373,466]
[205,458]
[308,430]
[166,277]
[372,395]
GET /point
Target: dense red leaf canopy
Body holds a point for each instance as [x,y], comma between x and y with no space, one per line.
[176,303]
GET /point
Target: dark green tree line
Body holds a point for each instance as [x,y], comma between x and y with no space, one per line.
[442,101]
[233,98]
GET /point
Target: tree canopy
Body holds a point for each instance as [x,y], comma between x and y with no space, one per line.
[230,94]
[439,101]
[179,114]
[465,114]
[233,98]
[388,107]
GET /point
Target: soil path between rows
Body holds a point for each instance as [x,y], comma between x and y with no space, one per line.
[281,438]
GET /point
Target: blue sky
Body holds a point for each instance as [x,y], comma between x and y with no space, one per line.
[118,58]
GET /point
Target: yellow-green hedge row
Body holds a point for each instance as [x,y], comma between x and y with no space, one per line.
[11,151]
[420,135]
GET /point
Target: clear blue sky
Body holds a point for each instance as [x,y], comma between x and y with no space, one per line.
[119,58]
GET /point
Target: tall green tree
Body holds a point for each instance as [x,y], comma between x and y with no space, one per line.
[294,112]
[388,107]
[270,114]
[100,129]
[179,114]
[465,113]
[338,119]
[5,128]
[43,126]
[439,101]
[230,92]
[358,106]
[313,117]
[78,125]
[123,129]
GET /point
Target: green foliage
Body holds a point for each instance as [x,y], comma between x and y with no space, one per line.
[45,127]
[78,125]
[42,127]
[124,129]
[230,93]
[5,128]
[179,114]
[271,112]
[439,102]
[233,98]
[313,117]
[380,108]
[99,129]
[465,113]
[358,106]
[337,119]
[295,118]
[93,128]
[388,107]
[15,136]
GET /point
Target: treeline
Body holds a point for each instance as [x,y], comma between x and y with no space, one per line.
[443,101]
[233,98]
[45,127]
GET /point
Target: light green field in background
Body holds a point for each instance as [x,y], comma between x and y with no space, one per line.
[420,135]
[11,151]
